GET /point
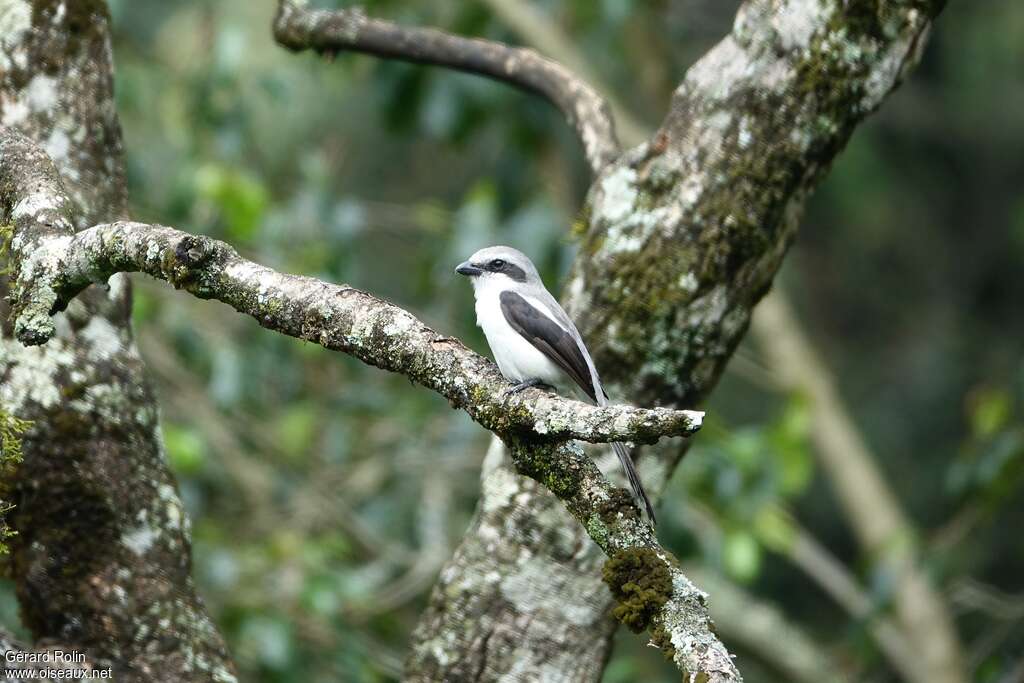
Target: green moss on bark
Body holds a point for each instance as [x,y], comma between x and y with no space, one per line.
[620,502]
[663,639]
[581,224]
[6,235]
[539,462]
[641,583]
[11,430]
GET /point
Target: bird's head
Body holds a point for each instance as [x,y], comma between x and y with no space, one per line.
[498,265]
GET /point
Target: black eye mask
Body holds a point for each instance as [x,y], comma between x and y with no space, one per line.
[509,269]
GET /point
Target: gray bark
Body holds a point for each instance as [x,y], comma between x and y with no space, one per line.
[102,558]
[682,238]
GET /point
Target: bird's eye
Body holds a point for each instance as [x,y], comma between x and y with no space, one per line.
[497,264]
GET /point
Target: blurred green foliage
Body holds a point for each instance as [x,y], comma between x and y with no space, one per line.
[325,495]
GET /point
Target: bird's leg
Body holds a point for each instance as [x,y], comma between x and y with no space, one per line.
[526,384]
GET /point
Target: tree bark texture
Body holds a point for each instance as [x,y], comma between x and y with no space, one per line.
[102,559]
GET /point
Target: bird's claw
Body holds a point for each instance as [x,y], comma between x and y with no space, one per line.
[527,384]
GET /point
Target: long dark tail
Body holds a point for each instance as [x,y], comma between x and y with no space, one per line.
[634,479]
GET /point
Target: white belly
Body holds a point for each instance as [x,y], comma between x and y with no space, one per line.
[518,359]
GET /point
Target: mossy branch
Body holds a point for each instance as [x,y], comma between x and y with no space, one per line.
[652,592]
[6,234]
[337,317]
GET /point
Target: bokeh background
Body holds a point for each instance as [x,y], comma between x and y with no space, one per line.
[325,495]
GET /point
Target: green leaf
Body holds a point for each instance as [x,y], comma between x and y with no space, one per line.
[990,410]
[774,529]
[741,555]
[241,199]
[185,449]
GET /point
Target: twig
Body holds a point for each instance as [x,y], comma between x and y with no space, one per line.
[871,506]
[350,30]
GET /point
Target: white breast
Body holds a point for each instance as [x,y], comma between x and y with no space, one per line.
[517,358]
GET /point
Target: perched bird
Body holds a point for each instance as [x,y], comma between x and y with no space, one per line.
[533,340]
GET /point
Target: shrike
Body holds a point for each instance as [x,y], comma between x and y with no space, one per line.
[533,340]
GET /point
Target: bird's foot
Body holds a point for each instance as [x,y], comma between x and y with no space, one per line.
[541,384]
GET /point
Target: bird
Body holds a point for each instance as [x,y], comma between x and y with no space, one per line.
[534,341]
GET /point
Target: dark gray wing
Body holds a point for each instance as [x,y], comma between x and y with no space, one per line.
[555,342]
[549,338]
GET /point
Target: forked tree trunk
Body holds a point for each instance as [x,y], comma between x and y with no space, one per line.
[682,237]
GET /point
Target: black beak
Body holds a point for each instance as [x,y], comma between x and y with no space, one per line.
[468,269]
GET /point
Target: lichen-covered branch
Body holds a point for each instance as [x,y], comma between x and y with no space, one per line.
[298,27]
[52,267]
[651,592]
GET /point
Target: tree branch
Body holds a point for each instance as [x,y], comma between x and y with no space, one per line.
[52,266]
[868,501]
[350,30]
[337,317]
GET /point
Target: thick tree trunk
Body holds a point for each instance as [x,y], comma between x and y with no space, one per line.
[102,555]
[683,236]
